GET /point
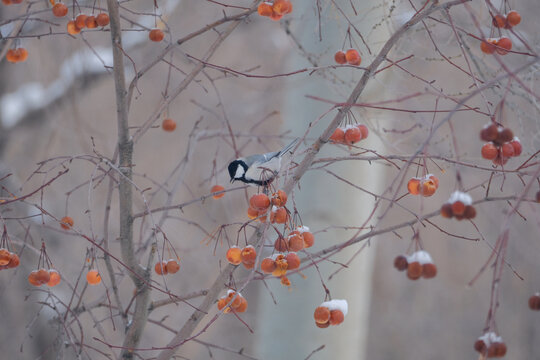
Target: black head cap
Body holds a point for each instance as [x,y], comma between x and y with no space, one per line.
[232,168]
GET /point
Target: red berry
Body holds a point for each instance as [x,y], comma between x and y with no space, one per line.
[353,57]
[489,151]
[513,18]
[340,58]
[504,45]
[516,144]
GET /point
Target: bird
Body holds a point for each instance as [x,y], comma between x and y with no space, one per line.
[258,169]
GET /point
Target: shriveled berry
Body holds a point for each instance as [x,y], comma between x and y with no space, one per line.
[400,263]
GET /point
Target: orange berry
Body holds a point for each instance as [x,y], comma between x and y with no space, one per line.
[507,150]
[268,265]
[353,135]
[161,268]
[234,255]
[321,315]
[296,242]
[102,19]
[458,208]
[353,57]
[281,266]
[249,255]
[5,257]
[259,202]
[54,278]
[414,270]
[43,276]
[222,302]
[156,35]
[504,45]
[279,198]
[93,277]
[309,239]
[279,216]
[513,18]
[400,263]
[488,46]
[172,266]
[340,58]
[80,21]
[14,262]
[281,7]
[516,144]
[470,212]
[59,10]
[338,136]
[490,132]
[11,56]
[72,29]
[91,22]
[265,9]
[293,261]
[364,130]
[168,125]
[489,151]
[66,223]
[33,278]
[414,186]
[285,281]
[281,244]
[446,210]
[499,21]
[427,188]
[252,213]
[336,317]
[23,54]
[242,307]
[534,302]
[429,271]
[217,188]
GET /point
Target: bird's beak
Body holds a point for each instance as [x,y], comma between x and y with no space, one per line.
[232,180]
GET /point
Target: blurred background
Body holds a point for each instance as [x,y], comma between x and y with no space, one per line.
[59,107]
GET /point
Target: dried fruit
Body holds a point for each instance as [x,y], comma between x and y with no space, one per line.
[353,57]
[172,266]
[513,18]
[340,58]
[59,10]
[66,223]
[234,255]
[168,124]
[400,263]
[259,202]
[156,35]
[102,19]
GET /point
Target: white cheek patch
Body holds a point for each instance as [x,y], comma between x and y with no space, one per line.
[239,172]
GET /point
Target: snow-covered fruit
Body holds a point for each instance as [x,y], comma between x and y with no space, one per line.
[170,266]
[349,134]
[276,9]
[278,264]
[248,255]
[233,301]
[459,205]
[508,20]
[297,240]
[490,345]
[425,186]
[331,312]
[8,259]
[501,144]
[500,45]
[418,264]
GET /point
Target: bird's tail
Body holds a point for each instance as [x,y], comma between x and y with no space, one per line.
[288,147]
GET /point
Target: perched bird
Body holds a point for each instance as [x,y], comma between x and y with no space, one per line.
[259,169]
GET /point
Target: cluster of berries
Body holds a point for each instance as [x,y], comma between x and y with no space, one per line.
[8,259]
[501,45]
[330,313]
[82,21]
[459,205]
[260,203]
[17,55]
[501,144]
[349,134]
[534,302]
[170,266]
[425,186]
[278,264]
[245,256]
[40,277]
[275,10]
[490,345]
[418,264]
[239,304]
[351,57]
[511,19]
[297,240]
